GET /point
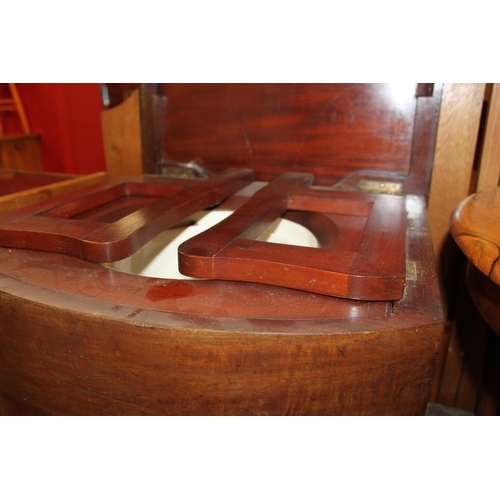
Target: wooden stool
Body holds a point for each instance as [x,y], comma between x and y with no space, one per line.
[474,226]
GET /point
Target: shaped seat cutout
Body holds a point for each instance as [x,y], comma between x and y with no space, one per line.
[362,256]
[366,262]
[111,221]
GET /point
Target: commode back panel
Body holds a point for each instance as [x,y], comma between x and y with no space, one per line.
[329,130]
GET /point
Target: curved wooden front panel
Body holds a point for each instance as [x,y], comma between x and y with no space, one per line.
[79,338]
[87,363]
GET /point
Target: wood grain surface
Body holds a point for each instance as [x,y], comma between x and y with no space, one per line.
[78,338]
[20,189]
[373,269]
[474,226]
[329,130]
[134,213]
[121,134]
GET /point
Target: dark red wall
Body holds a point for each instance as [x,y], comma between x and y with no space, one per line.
[67,117]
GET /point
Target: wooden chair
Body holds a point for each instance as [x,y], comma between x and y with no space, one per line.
[14,105]
[19,152]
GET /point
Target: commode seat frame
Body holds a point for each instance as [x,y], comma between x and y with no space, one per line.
[112,221]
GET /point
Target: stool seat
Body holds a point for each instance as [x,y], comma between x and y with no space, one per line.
[474,225]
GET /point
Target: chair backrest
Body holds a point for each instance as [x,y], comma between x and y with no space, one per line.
[13,105]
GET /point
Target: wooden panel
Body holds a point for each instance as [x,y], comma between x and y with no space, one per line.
[489,171]
[457,134]
[121,133]
[328,129]
[325,129]
[20,190]
[124,368]
[424,140]
[152,105]
[20,153]
[455,149]
[14,182]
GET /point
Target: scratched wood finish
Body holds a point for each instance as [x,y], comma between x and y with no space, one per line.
[329,130]
[131,345]
[139,211]
[375,269]
[311,127]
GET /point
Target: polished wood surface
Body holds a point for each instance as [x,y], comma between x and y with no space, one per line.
[133,345]
[474,226]
[329,130]
[366,262]
[79,338]
[111,221]
[14,182]
[20,189]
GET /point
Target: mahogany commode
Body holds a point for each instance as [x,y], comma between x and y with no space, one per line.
[268,329]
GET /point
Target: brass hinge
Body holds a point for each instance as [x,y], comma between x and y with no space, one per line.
[380,187]
[411,270]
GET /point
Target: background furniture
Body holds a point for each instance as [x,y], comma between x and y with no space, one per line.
[18,151]
[467,160]
[474,226]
